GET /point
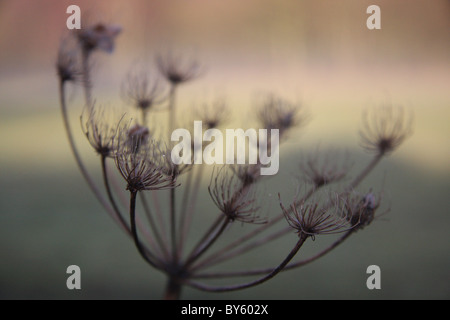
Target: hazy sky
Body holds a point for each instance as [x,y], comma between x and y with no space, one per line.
[319,52]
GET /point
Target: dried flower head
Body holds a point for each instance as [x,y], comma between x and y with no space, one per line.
[143,91]
[101,126]
[67,62]
[323,170]
[98,36]
[312,218]
[176,70]
[232,199]
[212,115]
[385,128]
[142,170]
[360,210]
[247,173]
[169,167]
[137,136]
[278,113]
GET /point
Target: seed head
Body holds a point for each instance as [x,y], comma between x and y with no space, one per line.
[142,169]
[311,218]
[360,210]
[232,199]
[177,70]
[98,36]
[143,91]
[212,115]
[247,173]
[67,63]
[170,168]
[278,113]
[385,128]
[101,127]
[323,170]
[137,136]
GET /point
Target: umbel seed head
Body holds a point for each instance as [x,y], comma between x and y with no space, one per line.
[67,62]
[311,218]
[235,201]
[99,36]
[360,210]
[176,70]
[385,128]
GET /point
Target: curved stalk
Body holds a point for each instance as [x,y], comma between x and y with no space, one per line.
[208,240]
[80,163]
[110,195]
[153,226]
[266,270]
[269,276]
[150,258]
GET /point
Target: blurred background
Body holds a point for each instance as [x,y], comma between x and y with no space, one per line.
[317,52]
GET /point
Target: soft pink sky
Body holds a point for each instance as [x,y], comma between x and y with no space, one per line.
[319,52]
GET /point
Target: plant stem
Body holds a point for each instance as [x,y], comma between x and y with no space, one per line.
[144,253]
[80,163]
[173,289]
[153,226]
[172,108]
[87,86]
[110,195]
[189,207]
[183,210]
[226,255]
[232,250]
[266,270]
[144,117]
[269,276]
[208,240]
[173,225]
[364,172]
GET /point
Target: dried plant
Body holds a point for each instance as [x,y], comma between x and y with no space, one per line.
[144,163]
[143,91]
[385,128]
[279,113]
[321,170]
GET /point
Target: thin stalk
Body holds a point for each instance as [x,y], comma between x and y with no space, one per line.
[80,163]
[173,225]
[183,211]
[172,92]
[144,117]
[189,209]
[266,270]
[208,240]
[267,277]
[206,236]
[153,226]
[110,195]
[153,261]
[87,85]
[363,174]
[226,255]
[225,252]
[159,215]
[173,222]
[173,289]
